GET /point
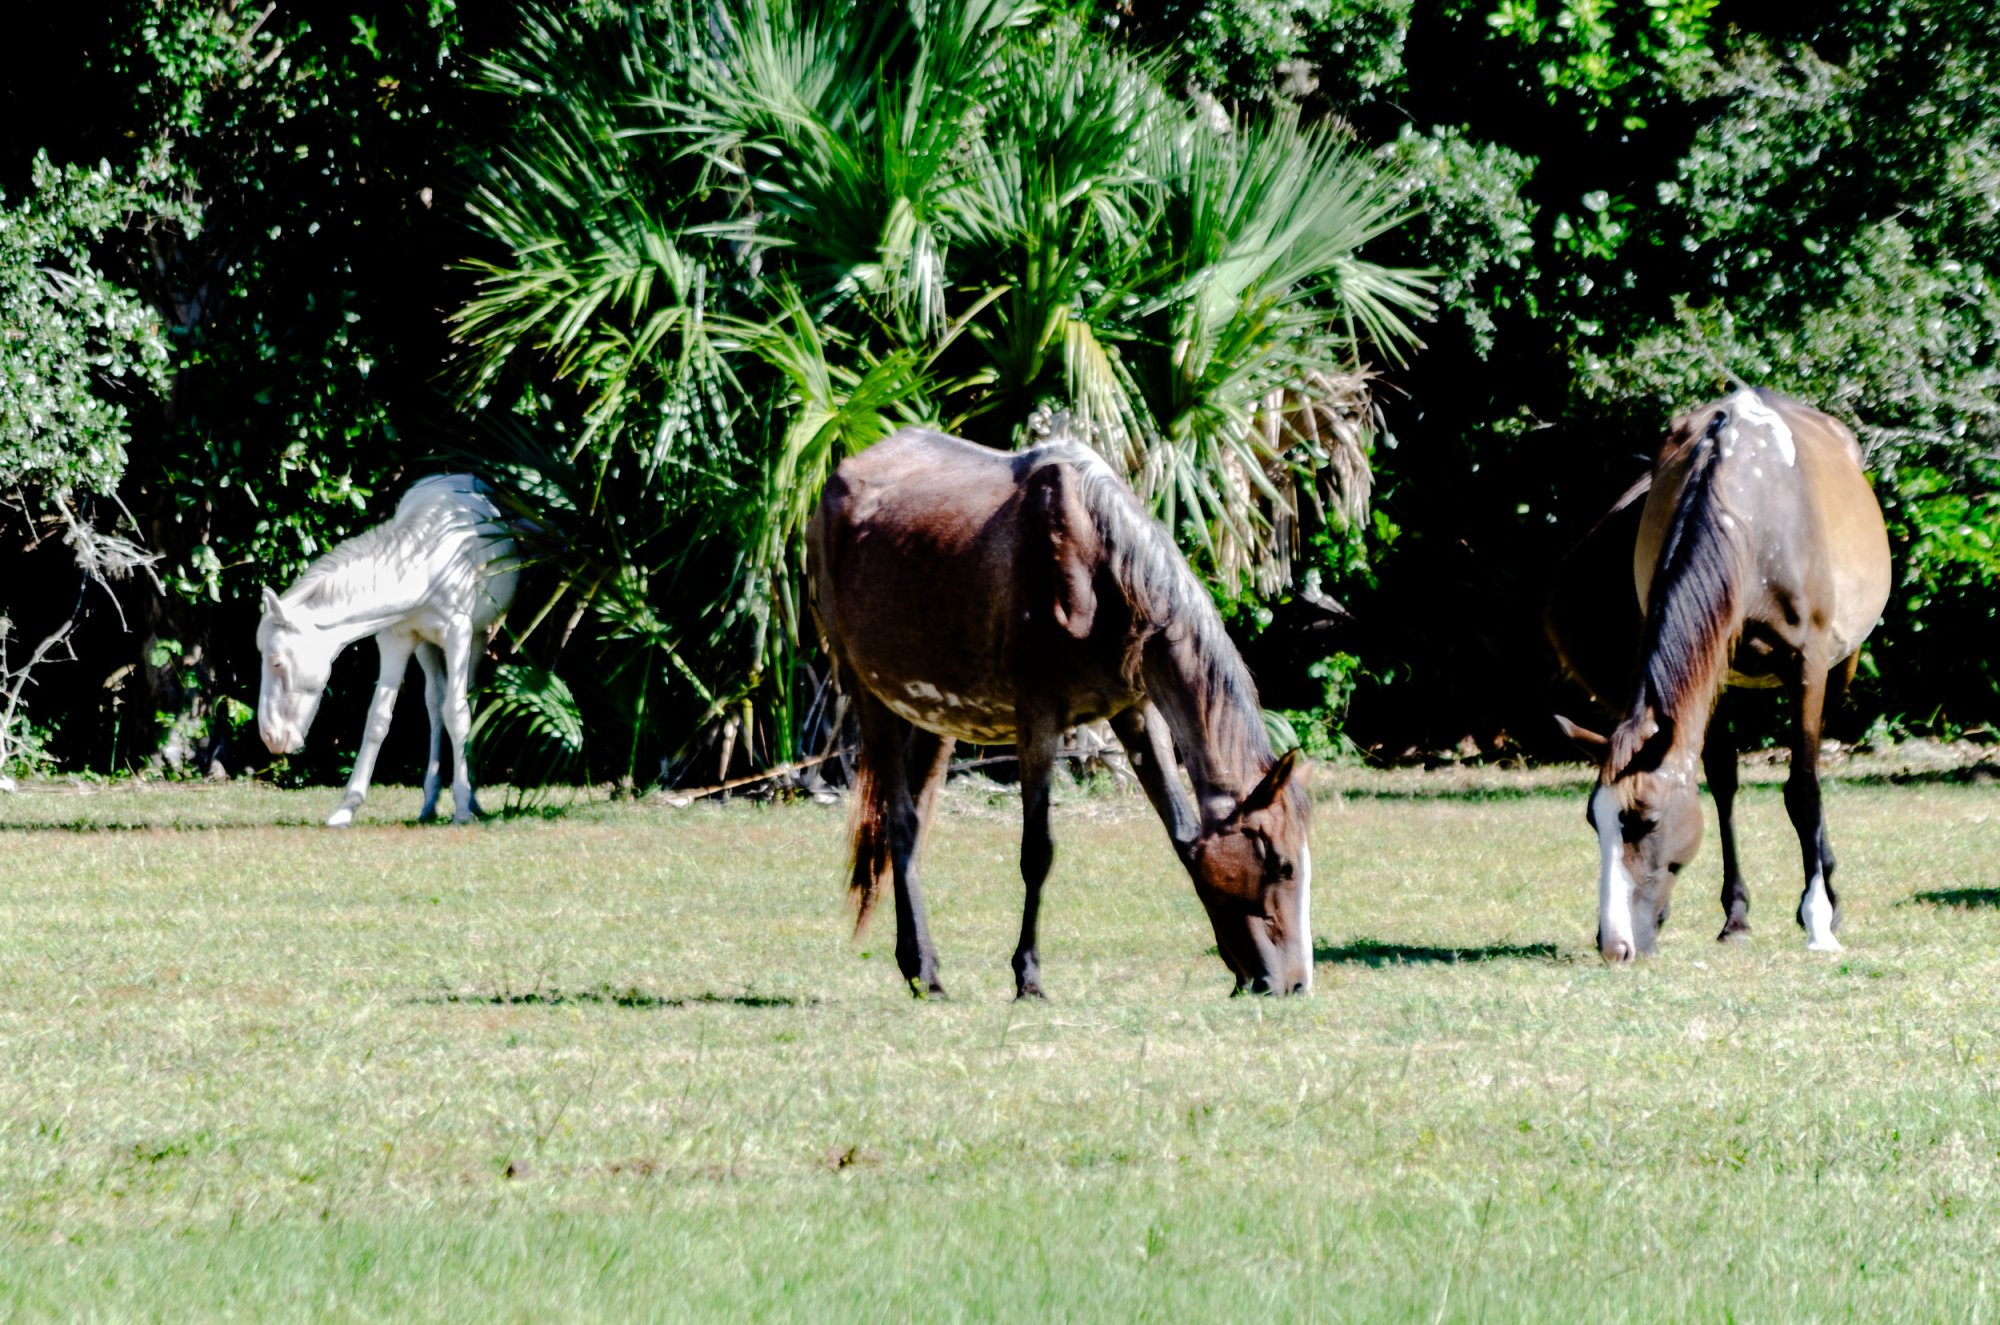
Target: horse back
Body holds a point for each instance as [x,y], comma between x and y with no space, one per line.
[1855,538]
[450,544]
[1787,482]
[947,577]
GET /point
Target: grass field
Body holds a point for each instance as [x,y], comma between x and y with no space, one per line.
[625,1063]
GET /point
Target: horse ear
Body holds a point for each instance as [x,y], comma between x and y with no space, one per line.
[1265,793]
[274,607]
[1586,740]
[1067,536]
[1645,730]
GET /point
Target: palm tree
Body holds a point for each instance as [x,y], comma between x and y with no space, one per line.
[744,240]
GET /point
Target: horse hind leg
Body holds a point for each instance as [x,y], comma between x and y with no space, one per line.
[890,822]
[1037,742]
[431,659]
[1819,908]
[458,716]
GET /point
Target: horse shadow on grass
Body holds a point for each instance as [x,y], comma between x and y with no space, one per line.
[1961,899]
[611,996]
[1371,952]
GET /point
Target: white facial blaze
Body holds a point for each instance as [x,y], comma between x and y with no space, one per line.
[1614,885]
[1305,936]
[1818,911]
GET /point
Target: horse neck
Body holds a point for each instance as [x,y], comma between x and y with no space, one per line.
[1210,706]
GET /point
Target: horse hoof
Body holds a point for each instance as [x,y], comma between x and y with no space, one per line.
[918,989]
[1827,944]
[1028,991]
[1736,931]
[340,819]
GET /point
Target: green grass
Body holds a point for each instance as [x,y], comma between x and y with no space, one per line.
[627,1064]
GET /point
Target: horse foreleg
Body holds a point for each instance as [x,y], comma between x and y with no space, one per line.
[458,716]
[1819,907]
[395,651]
[431,659]
[1151,747]
[1037,738]
[1718,761]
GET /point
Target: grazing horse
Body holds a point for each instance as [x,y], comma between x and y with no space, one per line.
[986,596]
[432,581]
[1760,559]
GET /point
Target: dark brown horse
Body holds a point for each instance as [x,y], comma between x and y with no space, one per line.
[1760,559]
[974,594]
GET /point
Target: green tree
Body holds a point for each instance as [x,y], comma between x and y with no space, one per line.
[743,242]
[76,352]
[1633,205]
[284,224]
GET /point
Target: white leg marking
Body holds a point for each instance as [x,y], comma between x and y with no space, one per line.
[1818,911]
[1614,885]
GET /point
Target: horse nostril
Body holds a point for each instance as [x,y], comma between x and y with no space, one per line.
[1261,985]
[1298,987]
[1618,951]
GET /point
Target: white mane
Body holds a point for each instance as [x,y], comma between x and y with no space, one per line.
[444,532]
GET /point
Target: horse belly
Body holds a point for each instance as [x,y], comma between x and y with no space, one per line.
[948,713]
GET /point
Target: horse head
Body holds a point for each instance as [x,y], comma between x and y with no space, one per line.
[1253,871]
[297,660]
[1648,823]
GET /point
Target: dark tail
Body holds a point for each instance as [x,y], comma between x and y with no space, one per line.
[870,831]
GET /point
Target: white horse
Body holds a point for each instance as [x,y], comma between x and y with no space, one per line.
[431,582]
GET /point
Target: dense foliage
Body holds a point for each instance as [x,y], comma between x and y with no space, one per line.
[1635,206]
[659,266]
[282,182]
[753,240]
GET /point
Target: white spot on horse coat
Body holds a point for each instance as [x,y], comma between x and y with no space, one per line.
[921,690]
[1754,410]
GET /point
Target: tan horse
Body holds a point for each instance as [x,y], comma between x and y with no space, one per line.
[972,594]
[1760,559]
